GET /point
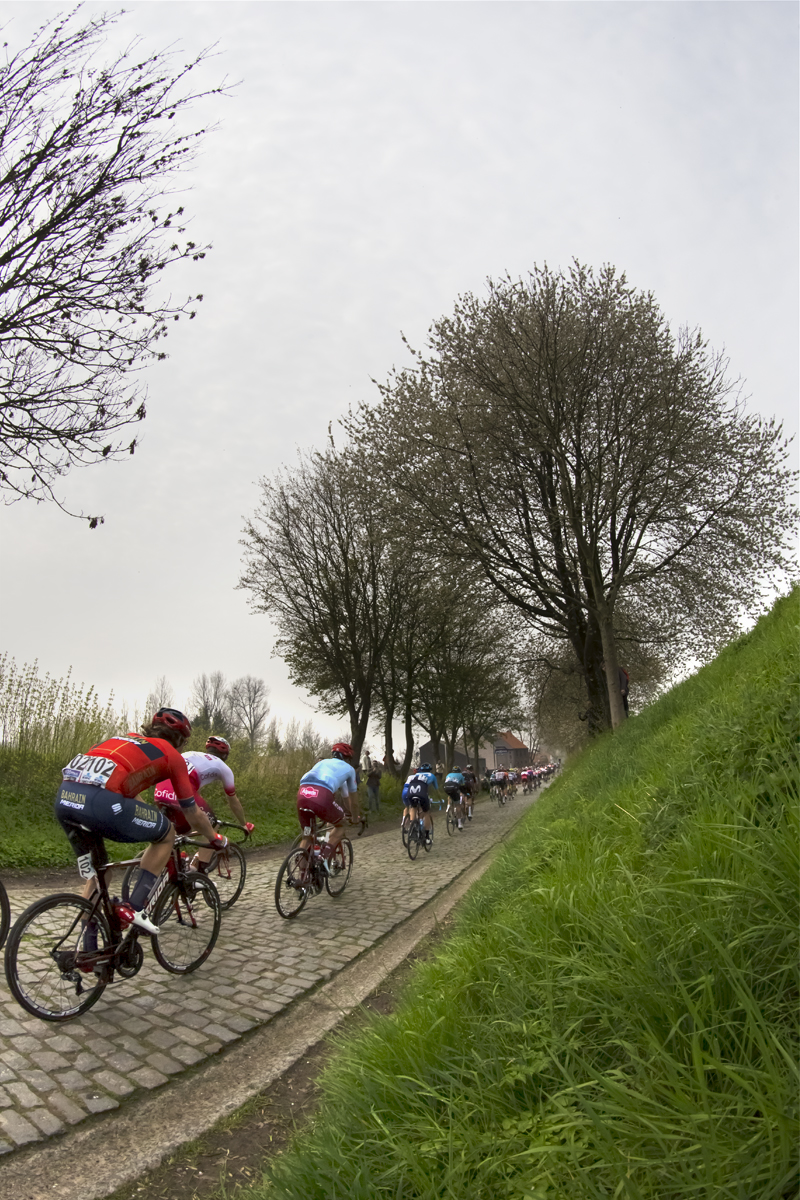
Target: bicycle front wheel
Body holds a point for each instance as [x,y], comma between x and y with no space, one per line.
[50,956]
[340,866]
[188,917]
[5,915]
[227,872]
[292,885]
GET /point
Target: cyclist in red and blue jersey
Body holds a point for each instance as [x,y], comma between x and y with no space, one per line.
[99,797]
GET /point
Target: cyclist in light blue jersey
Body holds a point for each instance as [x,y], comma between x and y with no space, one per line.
[454,785]
[317,792]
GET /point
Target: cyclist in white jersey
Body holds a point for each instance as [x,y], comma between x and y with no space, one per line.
[204,768]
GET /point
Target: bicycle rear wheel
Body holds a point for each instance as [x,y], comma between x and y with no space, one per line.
[227,871]
[293,884]
[404,829]
[451,824]
[188,917]
[50,955]
[412,846]
[5,915]
[129,881]
[341,865]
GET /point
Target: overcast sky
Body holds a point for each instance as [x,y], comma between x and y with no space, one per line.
[374,161]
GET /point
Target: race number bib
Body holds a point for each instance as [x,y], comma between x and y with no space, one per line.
[84,768]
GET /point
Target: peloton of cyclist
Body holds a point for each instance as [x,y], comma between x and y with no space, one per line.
[454,785]
[99,798]
[416,798]
[317,792]
[203,768]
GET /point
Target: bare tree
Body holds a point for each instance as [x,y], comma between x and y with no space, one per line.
[316,560]
[161,696]
[580,453]
[291,735]
[89,151]
[210,699]
[249,706]
[272,737]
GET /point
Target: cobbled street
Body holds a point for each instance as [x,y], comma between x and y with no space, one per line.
[144,1031]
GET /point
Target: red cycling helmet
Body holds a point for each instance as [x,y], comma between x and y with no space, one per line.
[221,745]
[342,750]
[173,718]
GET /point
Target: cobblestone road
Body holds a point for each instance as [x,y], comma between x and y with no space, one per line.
[145,1030]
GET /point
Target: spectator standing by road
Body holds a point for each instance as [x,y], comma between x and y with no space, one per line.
[439,772]
[373,787]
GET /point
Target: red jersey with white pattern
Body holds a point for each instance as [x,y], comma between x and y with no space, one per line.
[129,764]
[207,768]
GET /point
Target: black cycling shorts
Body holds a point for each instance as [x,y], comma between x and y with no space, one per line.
[88,814]
[421,800]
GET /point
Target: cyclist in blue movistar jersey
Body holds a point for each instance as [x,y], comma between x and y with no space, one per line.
[415,795]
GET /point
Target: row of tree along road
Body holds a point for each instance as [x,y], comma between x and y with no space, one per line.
[557,486]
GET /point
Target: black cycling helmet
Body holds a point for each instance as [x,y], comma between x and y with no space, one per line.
[425,767]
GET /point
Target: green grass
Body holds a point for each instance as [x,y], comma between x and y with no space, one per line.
[29,779]
[616,1014]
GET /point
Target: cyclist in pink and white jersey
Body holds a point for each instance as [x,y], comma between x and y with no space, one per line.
[203,768]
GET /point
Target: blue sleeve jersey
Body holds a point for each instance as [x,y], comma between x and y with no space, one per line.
[455,777]
[333,774]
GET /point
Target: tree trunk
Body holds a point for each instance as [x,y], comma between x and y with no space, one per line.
[409,754]
[612,670]
[358,732]
[389,743]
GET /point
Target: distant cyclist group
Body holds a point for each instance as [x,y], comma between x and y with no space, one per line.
[166,892]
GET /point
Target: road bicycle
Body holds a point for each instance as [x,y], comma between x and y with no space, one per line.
[416,835]
[64,950]
[5,914]
[455,813]
[227,867]
[324,829]
[303,873]
[498,794]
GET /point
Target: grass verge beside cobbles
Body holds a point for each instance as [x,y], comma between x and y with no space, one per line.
[615,1015]
[33,839]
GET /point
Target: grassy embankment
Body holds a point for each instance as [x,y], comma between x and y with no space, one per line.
[46,722]
[616,1014]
